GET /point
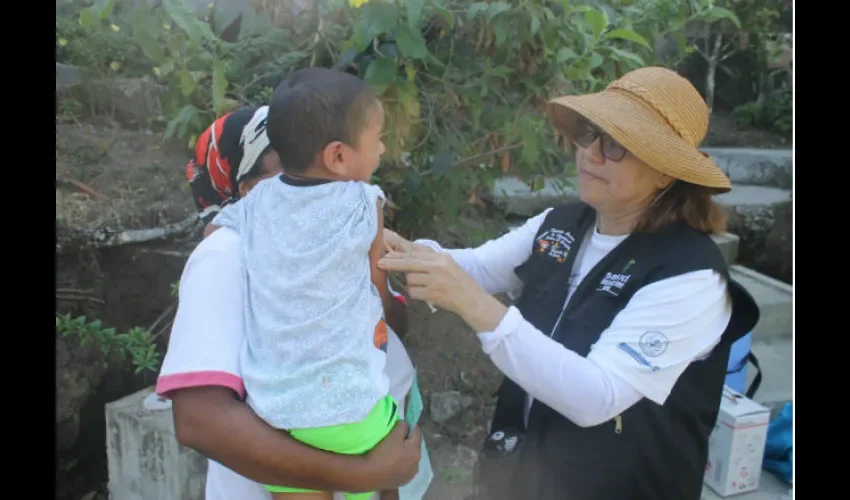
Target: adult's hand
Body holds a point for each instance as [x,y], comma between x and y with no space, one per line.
[395,461]
[436,278]
[394,242]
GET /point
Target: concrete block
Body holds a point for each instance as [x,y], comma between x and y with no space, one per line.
[145,461]
[760,167]
[775,300]
[515,197]
[728,244]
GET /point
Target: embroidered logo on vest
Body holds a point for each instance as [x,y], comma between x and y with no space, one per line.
[613,283]
[555,243]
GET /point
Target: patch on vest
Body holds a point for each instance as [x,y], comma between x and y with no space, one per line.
[555,243]
[613,283]
[653,344]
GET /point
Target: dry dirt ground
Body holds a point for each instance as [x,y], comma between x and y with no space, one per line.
[141,180]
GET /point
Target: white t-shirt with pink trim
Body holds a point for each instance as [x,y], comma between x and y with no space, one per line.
[204,348]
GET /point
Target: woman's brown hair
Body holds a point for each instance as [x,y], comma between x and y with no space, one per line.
[684,202]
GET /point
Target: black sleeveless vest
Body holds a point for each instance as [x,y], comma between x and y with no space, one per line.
[650,452]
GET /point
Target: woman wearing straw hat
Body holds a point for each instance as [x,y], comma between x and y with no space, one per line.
[615,351]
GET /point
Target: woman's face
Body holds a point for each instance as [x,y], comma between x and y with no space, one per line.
[615,182]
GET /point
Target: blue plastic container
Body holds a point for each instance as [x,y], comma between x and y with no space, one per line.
[736,370]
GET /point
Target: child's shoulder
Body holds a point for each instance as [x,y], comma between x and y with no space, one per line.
[372,191]
[363,190]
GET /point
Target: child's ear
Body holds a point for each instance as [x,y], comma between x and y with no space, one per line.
[334,157]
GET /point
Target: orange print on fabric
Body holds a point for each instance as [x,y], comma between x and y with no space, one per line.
[381,335]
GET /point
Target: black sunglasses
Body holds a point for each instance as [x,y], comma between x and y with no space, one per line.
[587,133]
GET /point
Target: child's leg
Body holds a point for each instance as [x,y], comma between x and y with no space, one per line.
[313,495]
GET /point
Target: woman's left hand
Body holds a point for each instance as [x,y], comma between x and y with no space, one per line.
[436,278]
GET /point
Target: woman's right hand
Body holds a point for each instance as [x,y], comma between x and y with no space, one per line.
[394,462]
[393,242]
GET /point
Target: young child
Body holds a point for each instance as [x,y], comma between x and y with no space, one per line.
[313,361]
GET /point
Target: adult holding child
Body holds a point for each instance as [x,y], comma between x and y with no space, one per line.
[203,374]
[317,305]
[615,352]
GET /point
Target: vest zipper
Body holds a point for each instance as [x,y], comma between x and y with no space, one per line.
[618,424]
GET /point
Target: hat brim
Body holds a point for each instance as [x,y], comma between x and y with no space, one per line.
[644,135]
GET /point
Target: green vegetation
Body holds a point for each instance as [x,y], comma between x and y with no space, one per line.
[135,345]
[464,83]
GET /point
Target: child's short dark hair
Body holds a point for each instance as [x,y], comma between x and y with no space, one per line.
[314,107]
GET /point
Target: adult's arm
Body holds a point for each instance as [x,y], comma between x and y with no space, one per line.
[213,421]
[688,313]
[492,264]
[200,373]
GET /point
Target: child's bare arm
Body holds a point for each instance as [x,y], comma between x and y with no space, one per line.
[394,311]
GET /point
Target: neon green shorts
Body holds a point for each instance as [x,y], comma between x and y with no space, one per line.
[348,439]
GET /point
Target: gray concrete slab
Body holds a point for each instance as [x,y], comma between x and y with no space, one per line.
[761,167]
[515,197]
[774,298]
[751,196]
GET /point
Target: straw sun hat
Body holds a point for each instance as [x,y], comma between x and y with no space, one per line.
[654,113]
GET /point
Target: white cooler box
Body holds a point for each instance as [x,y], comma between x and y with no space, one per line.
[736,446]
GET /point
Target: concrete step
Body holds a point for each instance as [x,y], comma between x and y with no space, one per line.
[761,167]
[754,197]
[515,197]
[775,301]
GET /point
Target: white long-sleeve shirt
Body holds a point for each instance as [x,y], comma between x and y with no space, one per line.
[692,310]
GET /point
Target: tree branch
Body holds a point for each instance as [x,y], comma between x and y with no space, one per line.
[106,238]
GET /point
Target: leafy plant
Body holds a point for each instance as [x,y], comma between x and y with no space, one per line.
[773,113]
[135,344]
[463,83]
[463,86]
[189,60]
